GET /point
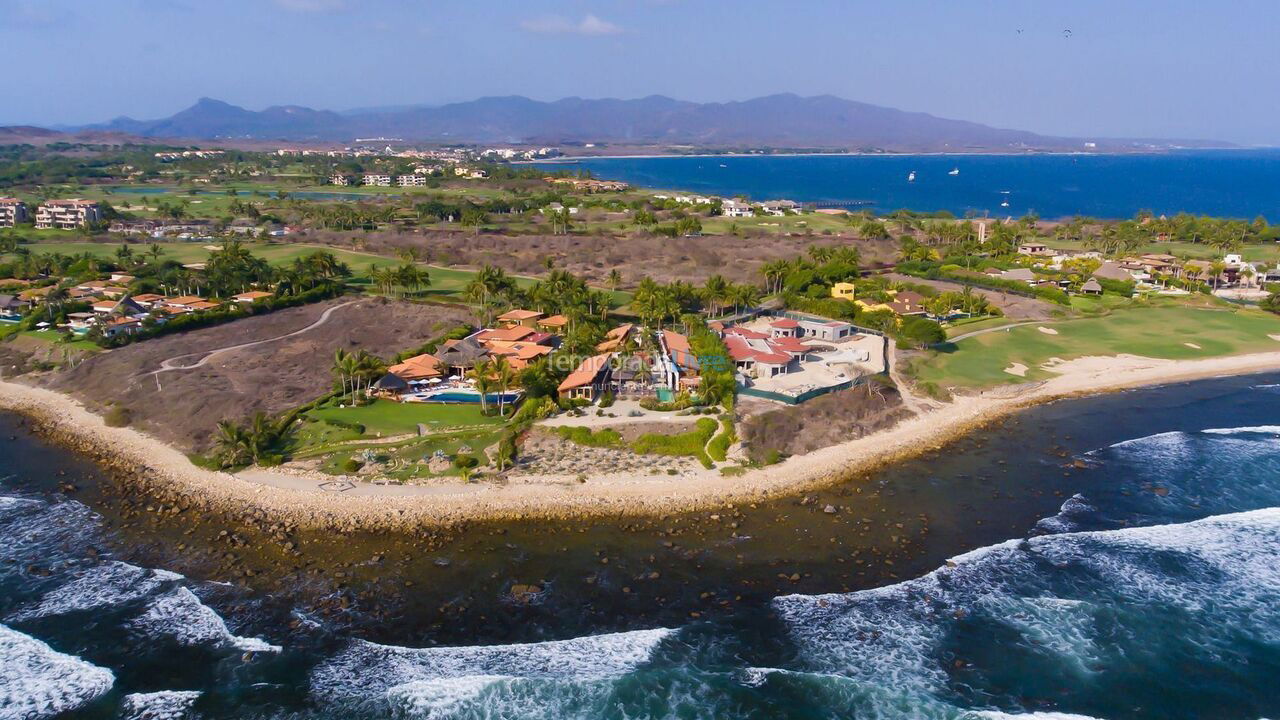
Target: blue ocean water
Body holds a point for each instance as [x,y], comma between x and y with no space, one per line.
[1154,592]
[1241,184]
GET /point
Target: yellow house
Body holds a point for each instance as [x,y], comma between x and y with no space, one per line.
[843,290]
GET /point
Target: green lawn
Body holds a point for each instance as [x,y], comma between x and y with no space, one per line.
[1163,331]
[447,283]
[393,418]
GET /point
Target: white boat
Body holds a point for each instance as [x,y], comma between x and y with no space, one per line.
[1004,204]
[954,171]
[911,176]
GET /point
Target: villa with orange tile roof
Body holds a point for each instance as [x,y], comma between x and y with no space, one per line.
[554,323]
[615,338]
[418,367]
[528,318]
[250,297]
[589,380]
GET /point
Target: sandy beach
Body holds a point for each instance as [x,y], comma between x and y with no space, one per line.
[300,499]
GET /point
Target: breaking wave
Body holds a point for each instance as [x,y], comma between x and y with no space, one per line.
[37,681]
[1068,607]
[561,677]
[162,705]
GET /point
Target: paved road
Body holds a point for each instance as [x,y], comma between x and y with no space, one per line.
[172,363]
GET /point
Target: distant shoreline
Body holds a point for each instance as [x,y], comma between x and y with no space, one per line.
[163,471]
[569,159]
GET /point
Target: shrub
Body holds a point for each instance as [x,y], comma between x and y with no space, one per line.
[718,448]
[118,417]
[464,461]
[351,465]
[606,400]
[584,436]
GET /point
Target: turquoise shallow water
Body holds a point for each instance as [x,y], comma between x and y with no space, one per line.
[1226,183]
[1154,592]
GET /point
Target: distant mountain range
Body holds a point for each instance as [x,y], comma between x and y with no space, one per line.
[780,121]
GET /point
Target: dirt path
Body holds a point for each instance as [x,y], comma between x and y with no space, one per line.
[984,331]
[170,364]
[916,405]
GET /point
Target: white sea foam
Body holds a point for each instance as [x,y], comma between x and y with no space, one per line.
[37,681]
[1048,589]
[180,616]
[107,585]
[997,715]
[367,672]
[439,697]
[8,503]
[162,705]
[1248,429]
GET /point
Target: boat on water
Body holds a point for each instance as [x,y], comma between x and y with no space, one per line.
[1004,204]
[911,176]
[954,171]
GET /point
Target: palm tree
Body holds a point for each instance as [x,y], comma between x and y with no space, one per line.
[482,373]
[615,279]
[232,442]
[503,375]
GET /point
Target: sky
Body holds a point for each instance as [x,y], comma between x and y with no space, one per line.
[1119,68]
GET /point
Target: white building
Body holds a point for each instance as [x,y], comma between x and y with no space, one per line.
[412,180]
[735,208]
[377,180]
[12,212]
[67,214]
[339,180]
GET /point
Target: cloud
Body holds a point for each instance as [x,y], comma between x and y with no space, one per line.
[557,25]
[311,5]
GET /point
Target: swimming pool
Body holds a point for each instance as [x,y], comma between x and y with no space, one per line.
[461,396]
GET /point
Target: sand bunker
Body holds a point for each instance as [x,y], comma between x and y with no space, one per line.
[1274,337]
[1017,369]
[1193,346]
[1047,331]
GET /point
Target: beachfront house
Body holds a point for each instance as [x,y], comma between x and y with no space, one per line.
[589,380]
[417,368]
[735,209]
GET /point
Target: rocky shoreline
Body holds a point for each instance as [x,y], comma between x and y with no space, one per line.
[176,485]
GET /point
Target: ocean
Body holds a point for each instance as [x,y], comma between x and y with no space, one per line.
[1107,557]
[1229,183]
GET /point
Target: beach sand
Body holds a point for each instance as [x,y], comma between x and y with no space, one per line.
[299,499]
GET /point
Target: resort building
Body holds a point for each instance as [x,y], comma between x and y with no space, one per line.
[251,297]
[459,356]
[411,180]
[844,290]
[735,208]
[67,214]
[1091,287]
[376,180]
[12,307]
[1034,249]
[341,180]
[125,306]
[12,212]
[589,380]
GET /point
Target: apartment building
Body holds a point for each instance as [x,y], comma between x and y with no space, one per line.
[411,181]
[377,180]
[67,214]
[12,212]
